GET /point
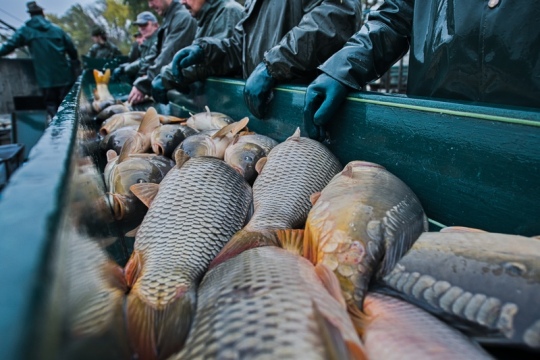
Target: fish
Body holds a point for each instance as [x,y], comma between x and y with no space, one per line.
[116,139]
[192,213]
[485,284]
[140,142]
[91,301]
[131,118]
[102,96]
[395,329]
[293,170]
[208,120]
[125,170]
[361,224]
[268,303]
[203,144]
[113,110]
[245,151]
[167,137]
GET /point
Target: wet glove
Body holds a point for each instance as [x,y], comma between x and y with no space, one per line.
[117,73]
[190,55]
[258,90]
[323,99]
[159,92]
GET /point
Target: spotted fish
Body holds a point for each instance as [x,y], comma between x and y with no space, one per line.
[268,303]
[200,204]
[484,283]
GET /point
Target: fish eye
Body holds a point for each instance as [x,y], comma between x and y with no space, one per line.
[248,158]
[169,136]
[140,181]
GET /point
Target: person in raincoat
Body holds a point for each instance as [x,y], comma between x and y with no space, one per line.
[215,18]
[53,53]
[276,41]
[102,48]
[177,31]
[478,51]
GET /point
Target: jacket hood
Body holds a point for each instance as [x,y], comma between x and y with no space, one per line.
[38,22]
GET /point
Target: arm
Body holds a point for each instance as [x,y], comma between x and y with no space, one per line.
[16,41]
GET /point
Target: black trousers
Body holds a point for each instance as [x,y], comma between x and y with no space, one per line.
[53,97]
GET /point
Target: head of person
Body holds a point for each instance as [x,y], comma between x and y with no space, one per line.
[138,37]
[147,23]
[99,35]
[159,6]
[193,6]
[34,9]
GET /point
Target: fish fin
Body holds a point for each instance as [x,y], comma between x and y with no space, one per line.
[149,122]
[106,76]
[310,246]
[295,136]
[348,171]
[359,318]
[180,158]
[460,229]
[97,76]
[115,275]
[146,192]
[207,109]
[244,240]
[111,155]
[291,240]
[166,119]
[140,319]
[128,148]
[235,139]
[133,233]
[260,164]
[233,128]
[337,347]
[331,283]
[314,197]
[132,270]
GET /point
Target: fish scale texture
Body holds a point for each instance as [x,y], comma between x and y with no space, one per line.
[259,305]
[295,169]
[196,211]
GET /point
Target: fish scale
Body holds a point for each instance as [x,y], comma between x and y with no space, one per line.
[295,169]
[198,208]
[260,305]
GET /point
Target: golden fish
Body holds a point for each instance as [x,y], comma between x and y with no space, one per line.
[208,120]
[102,96]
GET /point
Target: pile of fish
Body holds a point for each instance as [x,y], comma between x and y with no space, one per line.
[254,249]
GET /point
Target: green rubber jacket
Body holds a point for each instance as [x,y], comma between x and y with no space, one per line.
[50,45]
[479,51]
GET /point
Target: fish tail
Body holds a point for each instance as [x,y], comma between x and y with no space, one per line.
[102,78]
[158,333]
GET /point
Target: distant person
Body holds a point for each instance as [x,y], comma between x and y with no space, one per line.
[52,50]
[148,28]
[102,48]
[215,18]
[134,51]
[177,31]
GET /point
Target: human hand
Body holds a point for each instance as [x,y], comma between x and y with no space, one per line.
[135,96]
[190,55]
[258,90]
[323,99]
[159,92]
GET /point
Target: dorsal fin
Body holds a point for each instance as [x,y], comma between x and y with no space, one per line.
[149,122]
[233,128]
[180,158]
[348,171]
[314,197]
[127,149]
[295,136]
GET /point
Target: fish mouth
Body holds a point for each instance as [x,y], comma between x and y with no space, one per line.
[103,131]
[239,170]
[158,149]
[117,206]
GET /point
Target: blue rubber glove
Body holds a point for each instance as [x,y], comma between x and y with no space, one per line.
[190,55]
[323,99]
[159,92]
[258,90]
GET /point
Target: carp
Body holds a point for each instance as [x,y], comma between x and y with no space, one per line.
[113,110]
[116,139]
[394,330]
[268,303]
[200,204]
[130,118]
[140,142]
[361,223]
[167,137]
[102,96]
[486,284]
[208,120]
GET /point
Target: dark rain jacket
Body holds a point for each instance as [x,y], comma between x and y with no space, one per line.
[176,32]
[292,37]
[139,66]
[106,50]
[50,45]
[217,18]
[460,49]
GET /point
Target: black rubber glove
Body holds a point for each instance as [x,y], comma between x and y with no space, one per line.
[117,74]
[258,90]
[190,55]
[159,92]
[324,97]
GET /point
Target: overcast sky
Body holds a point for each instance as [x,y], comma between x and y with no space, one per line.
[14,12]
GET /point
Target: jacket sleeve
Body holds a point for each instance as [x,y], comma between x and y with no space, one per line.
[323,30]
[181,33]
[16,41]
[369,53]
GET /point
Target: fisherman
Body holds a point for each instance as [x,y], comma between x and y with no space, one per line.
[50,47]
[477,51]
[134,51]
[148,28]
[277,41]
[177,31]
[102,48]
[215,18]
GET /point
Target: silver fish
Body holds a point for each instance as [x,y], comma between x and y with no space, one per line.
[484,283]
[209,120]
[201,203]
